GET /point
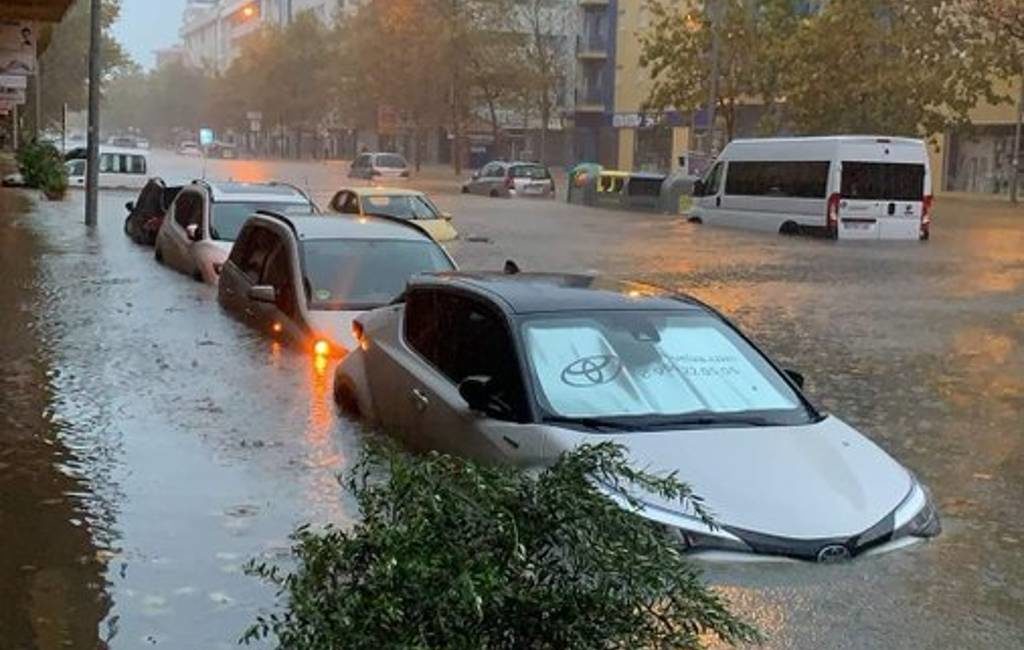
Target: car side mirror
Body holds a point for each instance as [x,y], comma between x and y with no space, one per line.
[263,293]
[796,377]
[193,232]
[130,206]
[698,188]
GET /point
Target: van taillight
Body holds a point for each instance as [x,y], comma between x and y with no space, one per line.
[832,215]
[926,215]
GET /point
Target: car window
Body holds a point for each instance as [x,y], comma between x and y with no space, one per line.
[462,337]
[188,209]
[401,207]
[351,204]
[714,178]
[491,170]
[882,181]
[133,164]
[76,168]
[254,256]
[228,217]
[391,161]
[362,161]
[661,365]
[108,163]
[536,172]
[365,273]
[278,274]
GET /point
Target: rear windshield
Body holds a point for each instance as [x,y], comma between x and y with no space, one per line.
[391,161]
[228,218]
[348,274]
[530,171]
[883,181]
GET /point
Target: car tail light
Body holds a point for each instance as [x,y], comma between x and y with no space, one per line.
[926,216]
[322,348]
[832,215]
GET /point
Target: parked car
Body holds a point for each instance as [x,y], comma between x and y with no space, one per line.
[509,179]
[146,213]
[380,167]
[521,368]
[189,148]
[396,203]
[224,150]
[206,217]
[303,280]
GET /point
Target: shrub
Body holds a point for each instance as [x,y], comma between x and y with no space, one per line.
[451,554]
[42,167]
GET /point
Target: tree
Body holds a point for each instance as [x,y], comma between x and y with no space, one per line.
[452,554]
[676,50]
[64,68]
[1006,15]
[912,67]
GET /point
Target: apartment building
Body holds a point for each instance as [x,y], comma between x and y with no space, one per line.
[213,30]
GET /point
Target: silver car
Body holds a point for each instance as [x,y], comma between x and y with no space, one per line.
[302,280]
[380,167]
[501,179]
[520,368]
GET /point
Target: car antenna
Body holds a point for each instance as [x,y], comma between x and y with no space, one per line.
[511,268]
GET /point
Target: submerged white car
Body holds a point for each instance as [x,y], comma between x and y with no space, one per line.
[521,368]
[202,224]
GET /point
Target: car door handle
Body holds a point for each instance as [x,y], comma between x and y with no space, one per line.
[419,399]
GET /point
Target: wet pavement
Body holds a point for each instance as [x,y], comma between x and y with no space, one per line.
[151,444]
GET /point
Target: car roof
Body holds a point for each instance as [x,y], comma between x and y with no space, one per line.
[260,192]
[525,293]
[381,191]
[337,226]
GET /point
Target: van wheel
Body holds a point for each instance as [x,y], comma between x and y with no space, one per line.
[158,255]
[494,194]
[790,228]
[465,190]
[345,400]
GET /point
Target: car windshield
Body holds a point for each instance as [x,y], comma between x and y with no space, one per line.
[402,207]
[658,368]
[229,217]
[537,172]
[357,274]
[390,161]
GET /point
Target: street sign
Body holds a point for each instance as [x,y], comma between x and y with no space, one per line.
[205,137]
[13,81]
[13,95]
[17,47]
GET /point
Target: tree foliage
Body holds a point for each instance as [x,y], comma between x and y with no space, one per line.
[64,66]
[451,554]
[909,67]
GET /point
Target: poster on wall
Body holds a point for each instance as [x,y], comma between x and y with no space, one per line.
[17,47]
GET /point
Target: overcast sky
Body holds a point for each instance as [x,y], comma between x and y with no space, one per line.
[146,25]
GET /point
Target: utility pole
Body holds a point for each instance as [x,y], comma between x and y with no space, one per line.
[714,10]
[38,106]
[92,165]
[1015,166]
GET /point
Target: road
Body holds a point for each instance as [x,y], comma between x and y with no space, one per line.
[155,445]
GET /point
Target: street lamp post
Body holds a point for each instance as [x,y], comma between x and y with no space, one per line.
[1015,165]
[92,168]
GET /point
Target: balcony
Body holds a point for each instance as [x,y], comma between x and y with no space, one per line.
[589,100]
[591,47]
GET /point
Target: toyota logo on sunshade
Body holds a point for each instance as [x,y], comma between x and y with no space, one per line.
[833,553]
[592,371]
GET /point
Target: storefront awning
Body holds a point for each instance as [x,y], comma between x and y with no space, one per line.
[49,11]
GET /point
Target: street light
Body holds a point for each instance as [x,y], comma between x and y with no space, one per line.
[248,11]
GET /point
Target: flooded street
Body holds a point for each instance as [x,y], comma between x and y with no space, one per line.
[152,445]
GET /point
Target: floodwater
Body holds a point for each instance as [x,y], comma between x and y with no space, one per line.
[152,444]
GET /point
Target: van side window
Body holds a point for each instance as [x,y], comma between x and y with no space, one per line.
[782,179]
[108,163]
[882,181]
[134,165]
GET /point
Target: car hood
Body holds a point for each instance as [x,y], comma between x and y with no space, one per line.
[335,325]
[816,481]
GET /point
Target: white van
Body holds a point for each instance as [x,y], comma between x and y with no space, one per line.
[119,169]
[846,187]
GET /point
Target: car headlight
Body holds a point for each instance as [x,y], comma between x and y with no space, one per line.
[917,515]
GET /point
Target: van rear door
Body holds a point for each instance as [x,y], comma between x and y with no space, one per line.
[881,200]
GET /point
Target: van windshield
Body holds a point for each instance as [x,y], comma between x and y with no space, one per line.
[871,181]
